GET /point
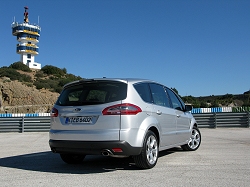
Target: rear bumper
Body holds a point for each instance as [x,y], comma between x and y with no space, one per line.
[93,147]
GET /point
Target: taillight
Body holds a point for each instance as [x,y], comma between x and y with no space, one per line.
[54,112]
[122,109]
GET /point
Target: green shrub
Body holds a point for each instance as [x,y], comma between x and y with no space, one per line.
[58,89]
[20,66]
[14,75]
[25,78]
[28,84]
[39,74]
[52,70]
[9,72]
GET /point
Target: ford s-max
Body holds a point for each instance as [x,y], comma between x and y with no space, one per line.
[120,118]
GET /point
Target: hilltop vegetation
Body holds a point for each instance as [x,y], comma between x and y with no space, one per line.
[49,77]
[218,101]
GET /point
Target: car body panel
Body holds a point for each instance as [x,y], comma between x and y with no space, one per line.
[128,131]
[103,127]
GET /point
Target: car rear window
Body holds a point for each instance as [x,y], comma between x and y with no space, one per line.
[91,93]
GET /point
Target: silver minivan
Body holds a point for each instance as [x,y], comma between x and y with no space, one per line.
[120,118]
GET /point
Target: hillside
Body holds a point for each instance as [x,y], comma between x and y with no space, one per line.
[16,97]
[23,90]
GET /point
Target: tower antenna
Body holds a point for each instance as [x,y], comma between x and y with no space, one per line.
[27,36]
[26,15]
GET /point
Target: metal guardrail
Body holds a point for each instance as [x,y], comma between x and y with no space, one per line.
[25,124]
[204,120]
[214,120]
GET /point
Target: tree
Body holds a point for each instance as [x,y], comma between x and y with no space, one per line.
[214,104]
[247,92]
[196,104]
[64,70]
[175,90]
[203,104]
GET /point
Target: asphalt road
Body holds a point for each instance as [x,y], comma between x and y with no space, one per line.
[223,159]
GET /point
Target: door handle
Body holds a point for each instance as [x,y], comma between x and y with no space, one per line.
[178,116]
[158,112]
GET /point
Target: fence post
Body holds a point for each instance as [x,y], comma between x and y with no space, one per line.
[248,119]
[215,120]
[22,124]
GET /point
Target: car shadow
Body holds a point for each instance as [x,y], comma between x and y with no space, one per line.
[170,151]
[50,162]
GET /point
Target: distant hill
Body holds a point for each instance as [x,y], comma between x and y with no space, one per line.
[23,90]
[230,100]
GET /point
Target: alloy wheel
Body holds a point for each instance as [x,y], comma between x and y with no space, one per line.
[152,149]
[195,139]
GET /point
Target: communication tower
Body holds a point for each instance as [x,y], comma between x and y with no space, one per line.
[28,38]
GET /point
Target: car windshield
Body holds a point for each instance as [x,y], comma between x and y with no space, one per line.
[91,93]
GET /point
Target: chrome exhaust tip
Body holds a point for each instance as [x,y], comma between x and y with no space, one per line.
[106,152]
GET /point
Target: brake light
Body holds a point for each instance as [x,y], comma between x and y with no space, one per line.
[54,112]
[117,150]
[122,109]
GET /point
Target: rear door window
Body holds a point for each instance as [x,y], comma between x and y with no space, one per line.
[91,93]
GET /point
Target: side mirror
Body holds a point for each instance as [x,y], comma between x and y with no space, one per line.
[188,108]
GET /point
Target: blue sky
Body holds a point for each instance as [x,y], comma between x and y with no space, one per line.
[199,47]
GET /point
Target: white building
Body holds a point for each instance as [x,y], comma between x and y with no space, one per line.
[28,38]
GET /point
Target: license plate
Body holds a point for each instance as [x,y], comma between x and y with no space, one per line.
[85,119]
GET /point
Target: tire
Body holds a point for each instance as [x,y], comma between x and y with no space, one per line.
[194,141]
[72,159]
[149,155]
